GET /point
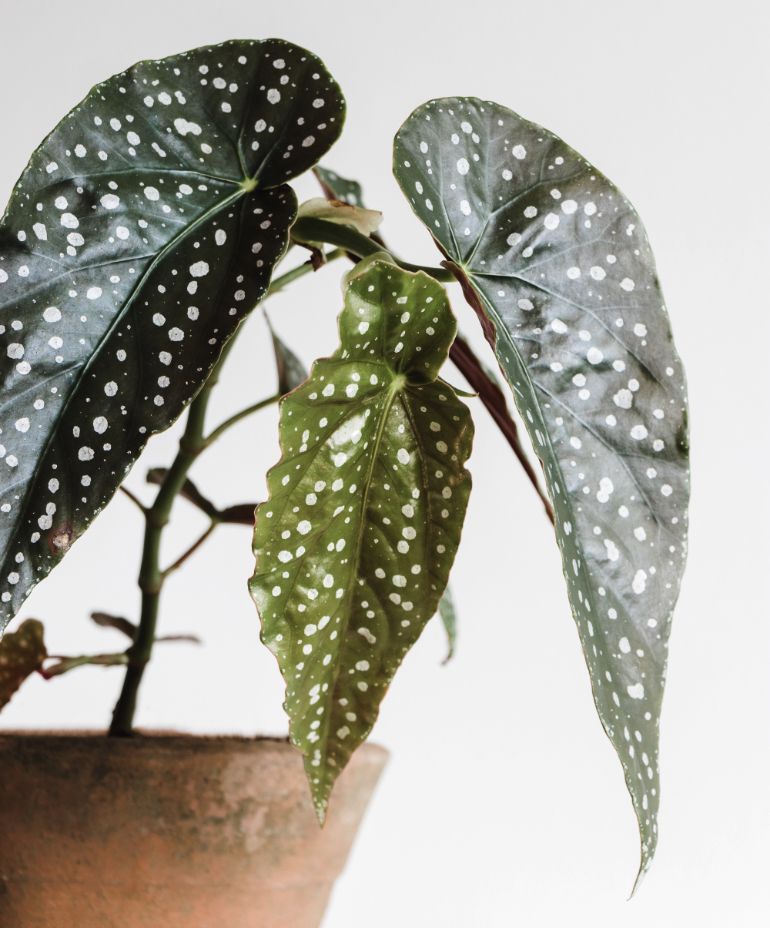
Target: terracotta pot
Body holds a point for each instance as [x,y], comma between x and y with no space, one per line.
[169,831]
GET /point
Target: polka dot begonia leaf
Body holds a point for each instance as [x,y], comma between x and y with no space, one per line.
[143,230]
[557,265]
[357,537]
[21,653]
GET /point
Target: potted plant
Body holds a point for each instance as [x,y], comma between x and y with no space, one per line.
[146,227]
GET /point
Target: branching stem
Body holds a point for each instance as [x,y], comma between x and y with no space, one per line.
[190,551]
[150,575]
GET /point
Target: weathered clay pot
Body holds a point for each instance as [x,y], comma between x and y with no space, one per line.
[169,831]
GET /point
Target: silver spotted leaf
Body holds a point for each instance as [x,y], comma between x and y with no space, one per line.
[357,537]
[21,654]
[144,228]
[336,187]
[556,263]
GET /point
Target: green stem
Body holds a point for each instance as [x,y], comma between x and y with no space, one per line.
[309,229]
[191,550]
[307,268]
[228,423]
[192,443]
[150,575]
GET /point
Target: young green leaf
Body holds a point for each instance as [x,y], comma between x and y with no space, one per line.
[365,509]
[557,265]
[365,221]
[143,230]
[21,653]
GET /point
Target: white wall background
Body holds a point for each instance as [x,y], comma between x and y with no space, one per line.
[503,803]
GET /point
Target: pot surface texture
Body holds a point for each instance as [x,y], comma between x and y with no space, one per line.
[169,830]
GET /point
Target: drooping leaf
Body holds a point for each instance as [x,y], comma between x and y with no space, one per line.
[355,542]
[21,653]
[557,265]
[340,188]
[143,230]
[448,614]
[291,371]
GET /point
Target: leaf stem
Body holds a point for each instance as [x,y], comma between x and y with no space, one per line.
[348,239]
[228,423]
[307,268]
[494,400]
[190,551]
[134,498]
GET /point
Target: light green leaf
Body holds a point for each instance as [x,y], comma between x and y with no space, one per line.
[143,230]
[557,265]
[365,509]
[448,614]
[365,221]
[21,653]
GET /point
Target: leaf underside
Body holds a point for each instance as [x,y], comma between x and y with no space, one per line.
[557,265]
[21,653]
[143,230]
[365,509]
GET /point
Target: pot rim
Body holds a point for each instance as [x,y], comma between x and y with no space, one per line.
[162,737]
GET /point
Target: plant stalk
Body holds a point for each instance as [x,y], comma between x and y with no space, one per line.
[150,574]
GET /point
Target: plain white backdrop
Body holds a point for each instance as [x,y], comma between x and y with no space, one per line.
[503,803]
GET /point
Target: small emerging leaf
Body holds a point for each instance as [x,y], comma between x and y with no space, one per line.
[365,221]
[21,653]
[365,509]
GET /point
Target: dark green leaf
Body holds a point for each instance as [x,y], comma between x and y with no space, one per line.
[291,371]
[339,188]
[365,509]
[21,653]
[143,230]
[448,614]
[556,263]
